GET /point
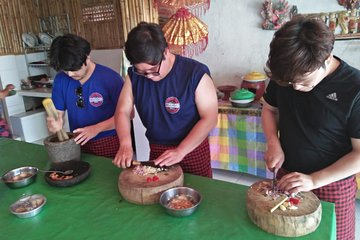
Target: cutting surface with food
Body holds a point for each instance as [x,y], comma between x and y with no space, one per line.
[283,214]
[144,184]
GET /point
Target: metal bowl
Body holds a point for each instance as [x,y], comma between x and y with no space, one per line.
[28,206]
[191,194]
[20,177]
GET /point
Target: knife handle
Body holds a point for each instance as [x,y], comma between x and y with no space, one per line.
[135,163]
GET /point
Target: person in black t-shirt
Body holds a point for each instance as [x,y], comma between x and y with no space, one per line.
[311,118]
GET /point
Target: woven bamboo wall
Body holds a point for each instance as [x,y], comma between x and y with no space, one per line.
[20,16]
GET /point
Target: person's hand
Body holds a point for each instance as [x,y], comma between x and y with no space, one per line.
[85,134]
[296,182]
[169,157]
[53,125]
[274,157]
[123,157]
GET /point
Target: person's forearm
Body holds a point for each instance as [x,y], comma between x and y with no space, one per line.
[123,129]
[198,133]
[270,126]
[346,166]
[108,124]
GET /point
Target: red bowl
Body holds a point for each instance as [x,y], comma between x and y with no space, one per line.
[227,90]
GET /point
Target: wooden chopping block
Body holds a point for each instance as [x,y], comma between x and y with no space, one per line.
[289,223]
[135,188]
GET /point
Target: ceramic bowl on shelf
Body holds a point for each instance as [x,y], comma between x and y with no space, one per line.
[255,82]
[241,103]
[242,98]
[226,90]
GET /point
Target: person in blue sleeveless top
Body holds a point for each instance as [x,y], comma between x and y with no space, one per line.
[176,101]
[88,92]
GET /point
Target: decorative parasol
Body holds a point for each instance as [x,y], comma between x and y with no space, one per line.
[169,7]
[186,34]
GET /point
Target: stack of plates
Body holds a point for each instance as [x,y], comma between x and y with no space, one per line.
[30,39]
[45,39]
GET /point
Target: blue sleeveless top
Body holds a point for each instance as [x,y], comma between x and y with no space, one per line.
[167,108]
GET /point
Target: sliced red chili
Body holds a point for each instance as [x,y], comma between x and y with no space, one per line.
[148,179]
[155,178]
[295,201]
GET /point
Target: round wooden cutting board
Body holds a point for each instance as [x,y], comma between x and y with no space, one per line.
[289,223]
[136,189]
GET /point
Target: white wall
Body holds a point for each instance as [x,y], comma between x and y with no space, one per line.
[238,44]
[108,57]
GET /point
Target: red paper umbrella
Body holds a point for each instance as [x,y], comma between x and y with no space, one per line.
[169,7]
[186,34]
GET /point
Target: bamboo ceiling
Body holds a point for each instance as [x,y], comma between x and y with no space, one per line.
[106,31]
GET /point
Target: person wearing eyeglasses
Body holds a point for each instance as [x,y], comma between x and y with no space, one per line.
[88,91]
[311,118]
[176,101]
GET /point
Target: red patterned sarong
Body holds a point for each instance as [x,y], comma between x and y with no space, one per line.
[196,162]
[106,147]
[343,194]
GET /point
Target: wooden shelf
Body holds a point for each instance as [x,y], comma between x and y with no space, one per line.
[349,36]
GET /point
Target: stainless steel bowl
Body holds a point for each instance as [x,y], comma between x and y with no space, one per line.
[20,177]
[28,206]
[191,194]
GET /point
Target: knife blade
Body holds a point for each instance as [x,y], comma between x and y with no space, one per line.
[144,163]
[274,178]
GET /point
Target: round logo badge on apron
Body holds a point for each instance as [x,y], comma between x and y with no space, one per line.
[96,99]
[172,105]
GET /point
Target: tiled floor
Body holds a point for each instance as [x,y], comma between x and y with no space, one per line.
[246,179]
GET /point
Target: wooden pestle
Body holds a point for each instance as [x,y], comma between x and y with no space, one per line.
[51,112]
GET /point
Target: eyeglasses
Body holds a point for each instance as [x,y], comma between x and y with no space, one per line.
[146,73]
[294,84]
[80,101]
[308,81]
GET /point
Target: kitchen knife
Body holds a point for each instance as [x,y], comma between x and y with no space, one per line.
[144,163]
[274,178]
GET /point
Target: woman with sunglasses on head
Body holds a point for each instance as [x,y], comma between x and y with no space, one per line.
[88,92]
[176,101]
[311,118]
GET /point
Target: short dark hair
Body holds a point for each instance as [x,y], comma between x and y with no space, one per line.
[301,46]
[69,52]
[145,44]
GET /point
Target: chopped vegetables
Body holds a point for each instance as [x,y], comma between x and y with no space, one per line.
[145,170]
[152,179]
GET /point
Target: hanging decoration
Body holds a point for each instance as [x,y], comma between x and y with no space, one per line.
[276,15]
[186,34]
[350,4]
[167,8]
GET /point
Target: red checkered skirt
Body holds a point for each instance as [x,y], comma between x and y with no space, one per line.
[196,162]
[106,147]
[343,194]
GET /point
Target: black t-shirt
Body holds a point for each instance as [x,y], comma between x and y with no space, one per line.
[316,127]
